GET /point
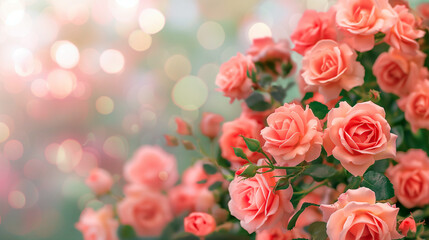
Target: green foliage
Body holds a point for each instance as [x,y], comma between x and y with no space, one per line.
[250,171]
[379,166]
[319,109]
[318,231]
[307,96]
[319,172]
[252,144]
[295,217]
[256,102]
[240,153]
[126,232]
[215,186]
[378,183]
[281,184]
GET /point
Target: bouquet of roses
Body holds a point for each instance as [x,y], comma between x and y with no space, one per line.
[349,160]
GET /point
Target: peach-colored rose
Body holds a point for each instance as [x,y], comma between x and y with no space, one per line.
[232,78]
[360,20]
[399,73]
[153,167]
[416,106]
[183,127]
[407,225]
[99,180]
[98,224]
[403,34]
[330,67]
[358,136]
[210,124]
[147,211]
[279,234]
[256,205]
[313,27]
[194,175]
[356,215]
[423,10]
[199,224]
[230,137]
[182,198]
[293,135]
[410,178]
[204,201]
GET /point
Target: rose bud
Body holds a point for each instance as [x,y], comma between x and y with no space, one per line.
[210,124]
[183,127]
[247,171]
[406,225]
[171,141]
[199,224]
[100,181]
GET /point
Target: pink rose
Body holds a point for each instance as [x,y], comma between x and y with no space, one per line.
[398,73]
[182,198]
[195,174]
[205,200]
[358,136]
[312,27]
[416,106]
[293,135]
[183,127]
[423,10]
[256,205]
[280,234]
[200,224]
[360,20]
[410,178]
[232,78]
[100,181]
[153,167]
[210,124]
[357,216]
[407,225]
[230,137]
[330,67]
[403,34]
[147,211]
[98,224]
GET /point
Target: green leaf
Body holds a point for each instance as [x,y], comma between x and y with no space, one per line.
[278,93]
[378,183]
[126,232]
[319,172]
[307,96]
[319,109]
[239,153]
[209,169]
[287,68]
[293,220]
[379,166]
[354,183]
[222,161]
[252,144]
[250,171]
[202,181]
[281,184]
[215,186]
[256,102]
[318,231]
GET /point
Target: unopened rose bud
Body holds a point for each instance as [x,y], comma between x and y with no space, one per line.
[100,181]
[247,171]
[375,95]
[183,127]
[171,140]
[188,145]
[210,124]
[407,225]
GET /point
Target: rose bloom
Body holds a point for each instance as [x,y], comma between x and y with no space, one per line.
[199,224]
[360,20]
[410,178]
[255,203]
[423,10]
[195,174]
[403,34]
[280,234]
[153,167]
[359,135]
[416,106]
[210,124]
[182,198]
[407,225]
[312,27]
[147,211]
[293,135]
[98,224]
[356,215]
[99,180]
[232,78]
[330,67]
[231,137]
[397,72]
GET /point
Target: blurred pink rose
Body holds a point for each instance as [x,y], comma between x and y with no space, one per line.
[183,127]
[199,224]
[357,216]
[204,201]
[256,205]
[153,167]
[210,124]
[99,180]
[232,78]
[359,135]
[410,178]
[407,225]
[330,67]
[293,135]
[423,10]
[416,106]
[98,224]
[195,174]
[360,20]
[397,72]
[404,33]
[182,198]
[313,27]
[147,211]
[259,116]
[280,234]
[230,137]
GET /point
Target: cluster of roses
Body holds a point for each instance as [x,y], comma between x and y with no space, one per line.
[287,162]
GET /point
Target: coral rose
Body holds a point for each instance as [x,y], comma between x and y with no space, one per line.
[312,27]
[280,234]
[407,225]
[359,135]
[293,135]
[416,106]
[232,78]
[360,20]
[200,224]
[182,198]
[99,180]
[98,224]
[210,124]
[153,167]
[410,178]
[357,216]
[255,203]
[147,211]
[330,67]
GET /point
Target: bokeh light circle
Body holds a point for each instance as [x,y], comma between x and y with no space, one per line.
[177,66]
[16,199]
[139,40]
[4,132]
[190,93]
[151,20]
[61,83]
[65,54]
[112,61]
[259,30]
[104,105]
[211,35]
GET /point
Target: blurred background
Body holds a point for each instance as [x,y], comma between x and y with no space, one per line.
[84,83]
